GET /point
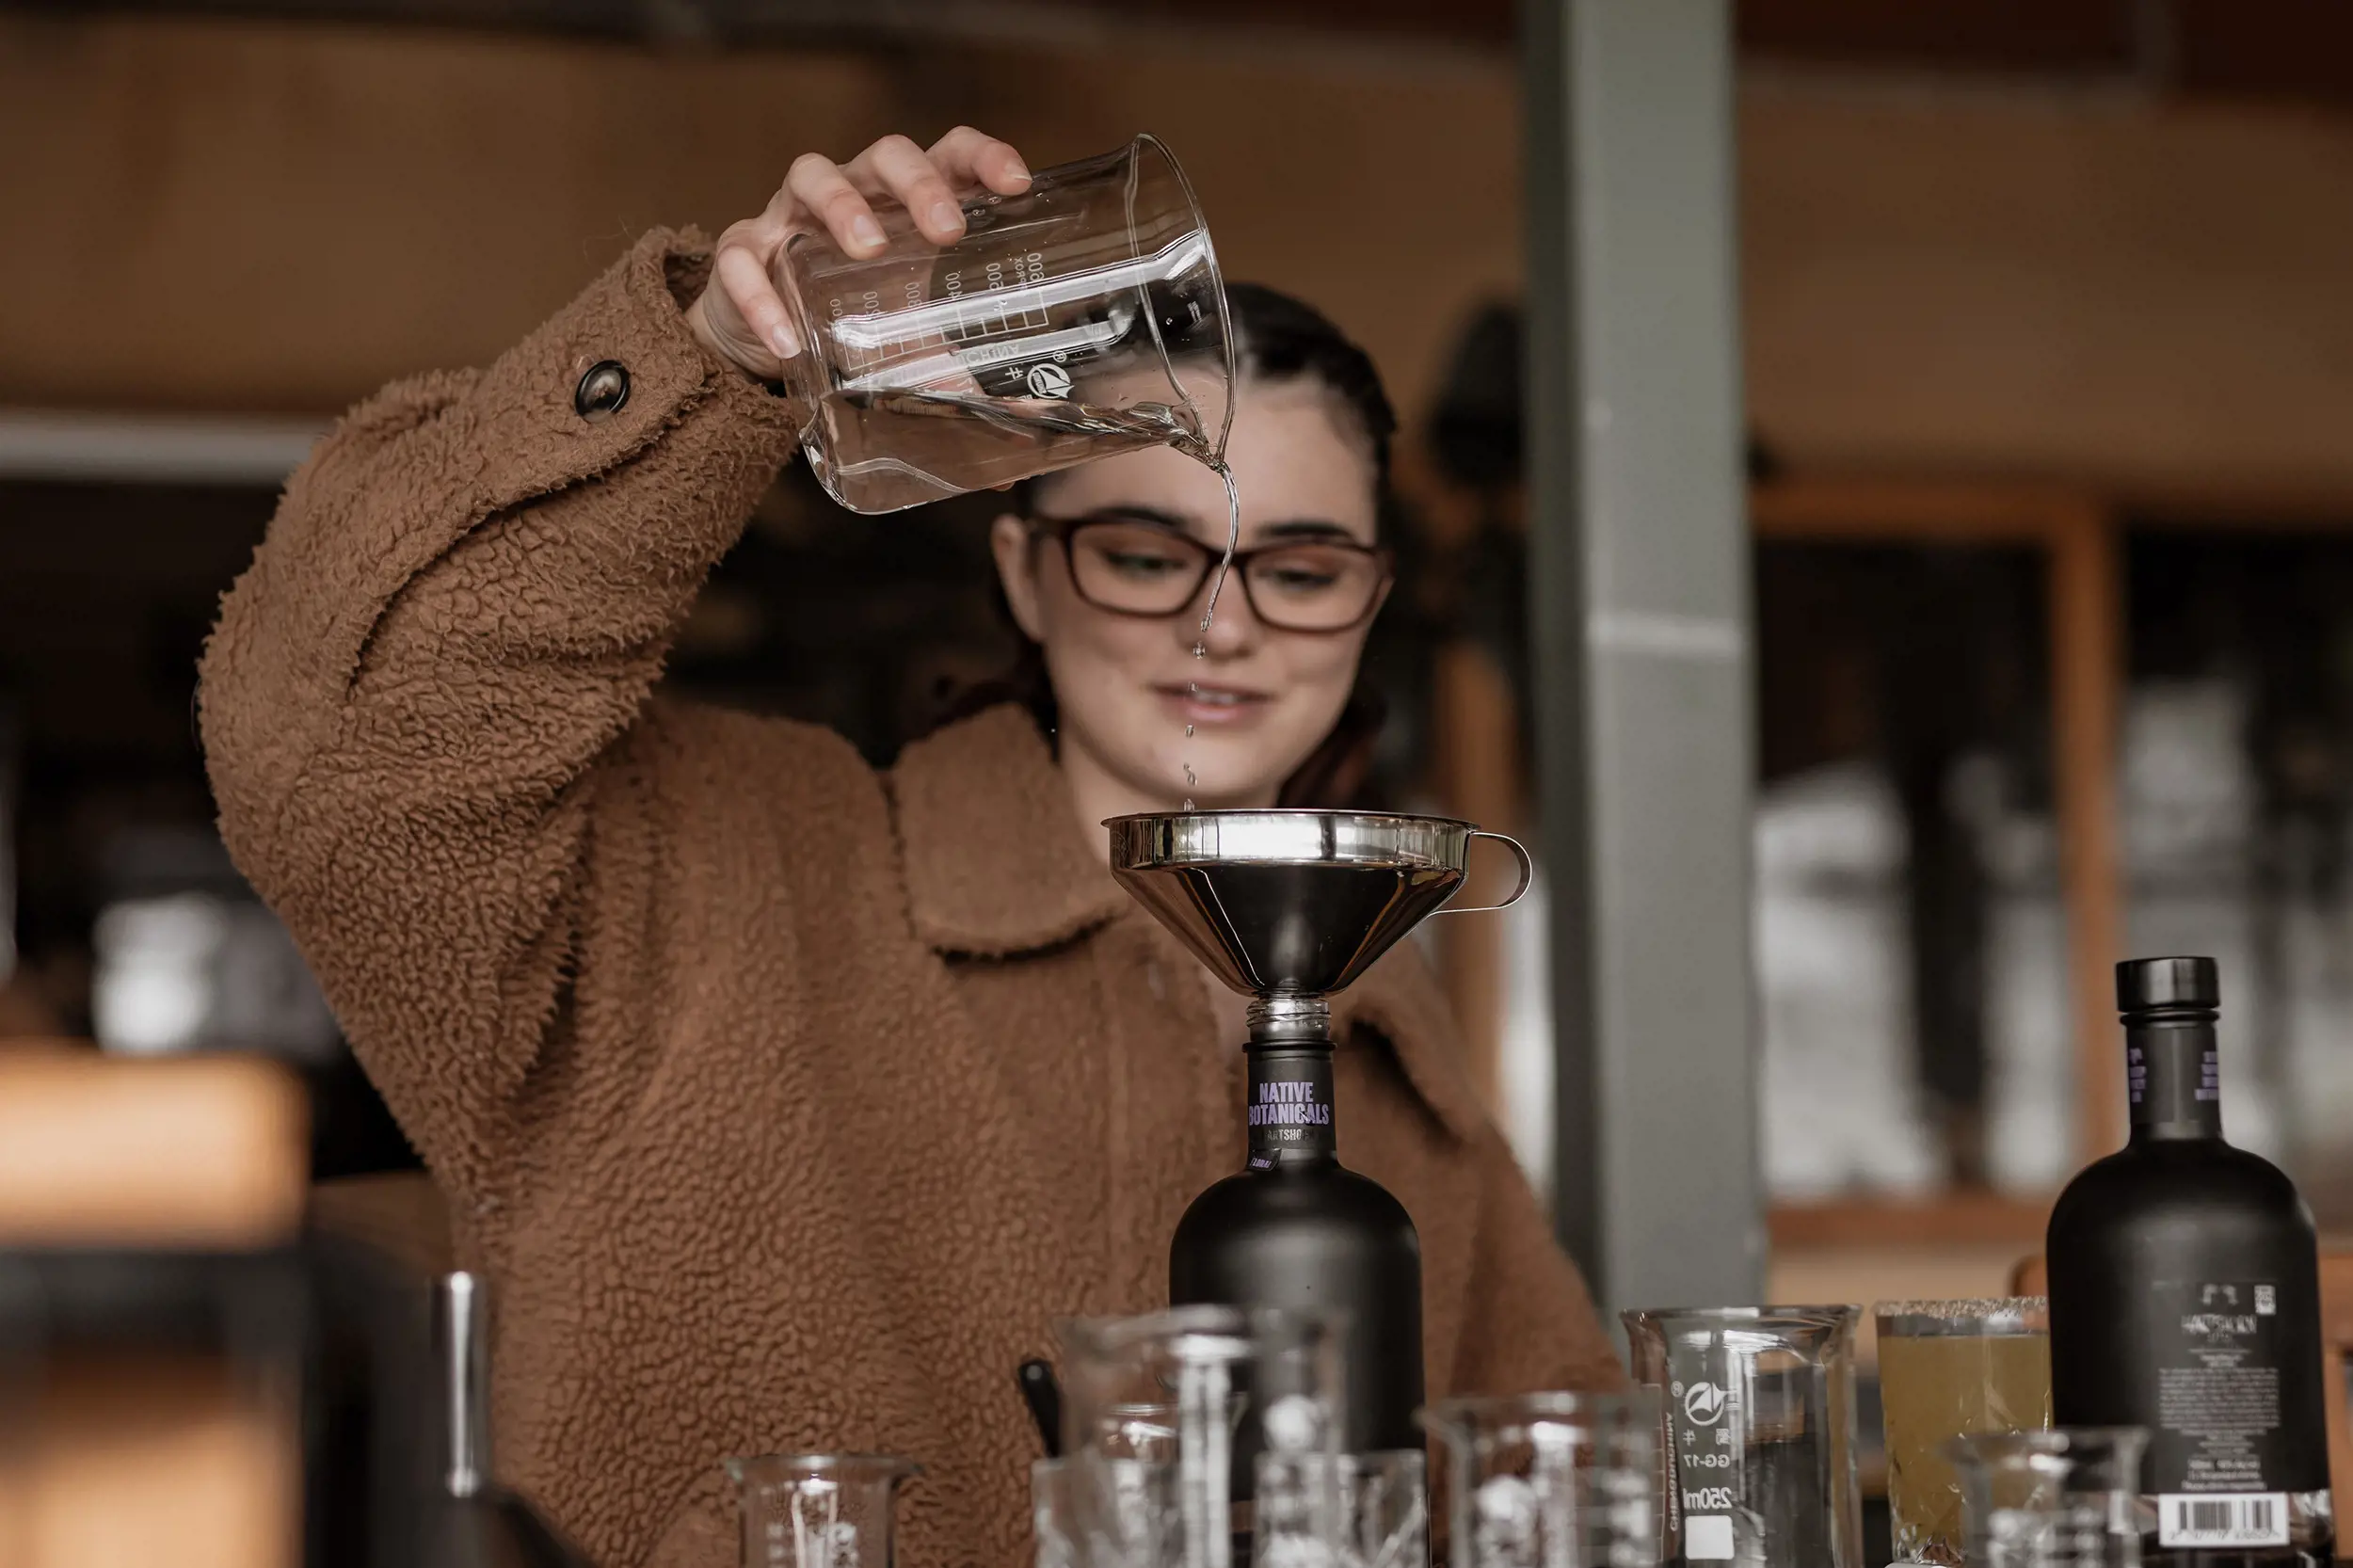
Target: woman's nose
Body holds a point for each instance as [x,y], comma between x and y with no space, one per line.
[1232,628]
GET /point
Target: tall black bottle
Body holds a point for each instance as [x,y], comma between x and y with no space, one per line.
[1295,1228]
[2186,1298]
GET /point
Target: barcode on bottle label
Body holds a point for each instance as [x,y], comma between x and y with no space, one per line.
[2248,1519]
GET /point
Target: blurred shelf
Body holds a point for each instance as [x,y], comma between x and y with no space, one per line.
[1868,507]
[1946,1220]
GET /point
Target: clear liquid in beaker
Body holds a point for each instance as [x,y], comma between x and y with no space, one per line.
[884,450]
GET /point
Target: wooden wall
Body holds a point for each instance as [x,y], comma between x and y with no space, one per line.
[281,217]
[2027,281]
[2082,286]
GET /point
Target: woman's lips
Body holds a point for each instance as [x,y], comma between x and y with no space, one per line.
[1209,704]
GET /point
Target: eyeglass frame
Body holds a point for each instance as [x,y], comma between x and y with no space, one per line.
[1061,529]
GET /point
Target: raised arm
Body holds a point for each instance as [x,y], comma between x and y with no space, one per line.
[414,703]
[461,604]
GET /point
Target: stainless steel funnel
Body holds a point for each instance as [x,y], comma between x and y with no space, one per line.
[1295,903]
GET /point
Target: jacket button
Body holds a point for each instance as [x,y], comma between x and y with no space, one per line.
[603,391]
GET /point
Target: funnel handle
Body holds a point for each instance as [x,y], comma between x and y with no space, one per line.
[1528,876]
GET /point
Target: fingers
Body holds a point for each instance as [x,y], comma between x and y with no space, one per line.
[818,184]
[897,166]
[739,271]
[741,315]
[971,158]
[925,183]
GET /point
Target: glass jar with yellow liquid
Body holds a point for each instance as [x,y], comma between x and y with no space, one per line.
[1947,1369]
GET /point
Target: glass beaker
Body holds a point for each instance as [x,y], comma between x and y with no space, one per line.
[1759,1422]
[1054,1531]
[1128,1528]
[819,1510]
[1953,1370]
[2067,1498]
[1167,1414]
[1083,317]
[1368,1510]
[1551,1480]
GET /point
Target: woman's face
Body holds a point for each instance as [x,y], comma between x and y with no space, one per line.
[1258,700]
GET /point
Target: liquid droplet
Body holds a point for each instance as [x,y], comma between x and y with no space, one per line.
[1189,806]
[1188,732]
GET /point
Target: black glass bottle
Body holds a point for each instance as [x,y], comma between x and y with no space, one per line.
[1295,1228]
[478,1523]
[2186,1298]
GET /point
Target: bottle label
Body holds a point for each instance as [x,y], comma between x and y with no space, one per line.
[2217,1436]
[2242,1519]
[1290,1106]
[2170,1077]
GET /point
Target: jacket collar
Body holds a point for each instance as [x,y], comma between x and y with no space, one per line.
[996,867]
[994,863]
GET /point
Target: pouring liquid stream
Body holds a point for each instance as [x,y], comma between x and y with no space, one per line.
[1217,586]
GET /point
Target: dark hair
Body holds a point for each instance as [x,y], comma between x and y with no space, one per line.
[1278,338]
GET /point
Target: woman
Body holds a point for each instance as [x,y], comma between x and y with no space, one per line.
[789,1104]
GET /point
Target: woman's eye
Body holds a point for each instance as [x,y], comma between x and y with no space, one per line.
[1141,564]
[1295,575]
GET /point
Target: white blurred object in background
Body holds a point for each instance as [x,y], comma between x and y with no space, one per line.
[1527,1066]
[2188,815]
[1839,1109]
[188,959]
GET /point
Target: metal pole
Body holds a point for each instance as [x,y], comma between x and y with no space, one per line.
[152,449]
[1639,579]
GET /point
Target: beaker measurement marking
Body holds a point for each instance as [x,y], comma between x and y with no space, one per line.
[903,366]
[1171,259]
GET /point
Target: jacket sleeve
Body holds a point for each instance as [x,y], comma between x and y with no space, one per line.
[1531,1324]
[461,606]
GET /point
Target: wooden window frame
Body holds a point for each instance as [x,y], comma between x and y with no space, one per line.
[1477,772]
[2078,536]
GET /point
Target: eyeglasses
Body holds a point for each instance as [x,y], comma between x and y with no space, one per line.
[1143,568]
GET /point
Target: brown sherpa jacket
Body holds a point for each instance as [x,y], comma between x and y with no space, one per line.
[789,1104]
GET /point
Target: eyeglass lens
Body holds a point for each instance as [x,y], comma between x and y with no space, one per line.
[1137,569]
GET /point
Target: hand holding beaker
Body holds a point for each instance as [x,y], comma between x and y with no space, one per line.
[741,317]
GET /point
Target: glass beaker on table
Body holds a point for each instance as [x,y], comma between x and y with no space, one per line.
[2065,1497]
[1083,317]
[1760,1425]
[1551,1480]
[819,1510]
[1166,1416]
[1950,1369]
[1366,1510]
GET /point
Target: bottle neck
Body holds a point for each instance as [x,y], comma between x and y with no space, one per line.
[2173,1075]
[1290,1108]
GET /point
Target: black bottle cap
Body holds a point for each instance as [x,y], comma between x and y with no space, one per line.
[2146,983]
